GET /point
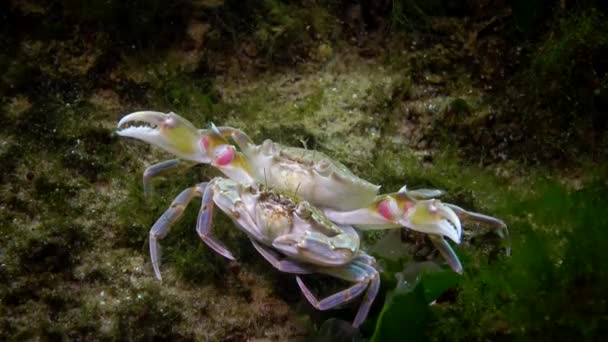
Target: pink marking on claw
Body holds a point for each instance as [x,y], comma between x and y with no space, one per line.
[385,210]
[224,156]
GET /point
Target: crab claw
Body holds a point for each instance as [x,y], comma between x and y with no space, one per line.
[429,216]
[168,131]
[433,217]
[319,249]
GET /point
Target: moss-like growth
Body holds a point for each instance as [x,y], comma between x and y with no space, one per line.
[396,107]
[54,249]
[551,109]
[284,32]
[412,14]
[528,295]
[565,74]
[284,24]
[146,317]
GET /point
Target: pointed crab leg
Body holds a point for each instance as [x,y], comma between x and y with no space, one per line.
[242,140]
[447,252]
[359,271]
[366,259]
[162,169]
[334,300]
[424,194]
[284,265]
[501,228]
[204,223]
[161,227]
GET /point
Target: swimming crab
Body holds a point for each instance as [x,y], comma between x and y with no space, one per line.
[274,222]
[312,175]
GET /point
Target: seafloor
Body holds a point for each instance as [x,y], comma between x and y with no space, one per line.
[503,105]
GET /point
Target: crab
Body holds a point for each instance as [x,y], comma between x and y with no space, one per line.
[327,184]
[294,236]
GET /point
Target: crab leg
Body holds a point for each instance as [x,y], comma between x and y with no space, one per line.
[204,222]
[358,271]
[162,169]
[424,194]
[368,298]
[161,227]
[367,259]
[447,252]
[284,265]
[501,228]
[240,138]
[334,300]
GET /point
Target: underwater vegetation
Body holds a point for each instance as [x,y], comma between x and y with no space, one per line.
[502,105]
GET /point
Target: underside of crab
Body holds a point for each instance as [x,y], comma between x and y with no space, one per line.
[294,237]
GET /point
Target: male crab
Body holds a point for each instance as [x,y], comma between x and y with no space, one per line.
[311,243]
[327,184]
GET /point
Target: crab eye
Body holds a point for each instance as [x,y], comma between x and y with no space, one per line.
[223,155]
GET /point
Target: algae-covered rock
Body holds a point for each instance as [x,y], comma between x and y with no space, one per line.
[403,93]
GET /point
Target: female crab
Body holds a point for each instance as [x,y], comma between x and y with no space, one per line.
[326,183]
[311,242]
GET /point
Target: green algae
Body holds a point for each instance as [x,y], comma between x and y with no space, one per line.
[527,295]
[329,106]
[74,263]
[407,311]
[495,296]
